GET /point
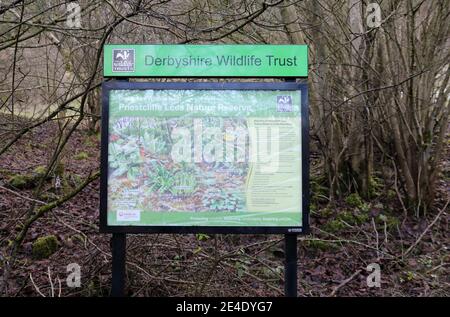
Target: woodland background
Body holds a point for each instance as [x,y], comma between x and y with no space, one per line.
[380,171]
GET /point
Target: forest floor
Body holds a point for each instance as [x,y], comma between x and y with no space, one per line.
[345,238]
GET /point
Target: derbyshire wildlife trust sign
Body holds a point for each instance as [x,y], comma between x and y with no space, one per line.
[205,61]
[205,157]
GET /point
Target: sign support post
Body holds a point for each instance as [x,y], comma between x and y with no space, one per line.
[290,254]
[290,265]
[118,250]
[119,256]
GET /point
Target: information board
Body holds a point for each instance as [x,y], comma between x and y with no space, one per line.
[204,157]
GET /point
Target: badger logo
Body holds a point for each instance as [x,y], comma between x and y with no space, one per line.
[123,60]
[122,55]
[284,103]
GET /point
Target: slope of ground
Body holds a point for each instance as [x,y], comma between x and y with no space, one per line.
[345,239]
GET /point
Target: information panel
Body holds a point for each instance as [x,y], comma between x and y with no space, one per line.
[204,157]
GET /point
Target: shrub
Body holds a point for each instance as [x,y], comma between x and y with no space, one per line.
[353,200]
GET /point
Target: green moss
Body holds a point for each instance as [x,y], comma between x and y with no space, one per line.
[361,218]
[320,245]
[334,226]
[327,212]
[43,247]
[21,181]
[81,156]
[18,181]
[28,180]
[407,276]
[76,179]
[391,221]
[202,237]
[40,170]
[365,207]
[90,141]
[375,186]
[346,216]
[357,218]
[353,200]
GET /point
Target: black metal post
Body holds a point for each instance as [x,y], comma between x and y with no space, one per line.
[118,250]
[290,265]
[119,255]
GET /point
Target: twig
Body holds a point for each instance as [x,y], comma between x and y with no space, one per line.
[35,216]
[22,196]
[59,285]
[377,238]
[436,268]
[426,230]
[397,191]
[36,287]
[52,288]
[385,233]
[341,240]
[56,203]
[344,282]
